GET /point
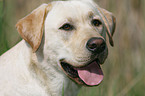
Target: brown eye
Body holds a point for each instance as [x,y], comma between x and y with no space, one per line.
[96,22]
[67,27]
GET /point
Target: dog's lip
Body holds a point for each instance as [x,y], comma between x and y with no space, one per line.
[72,71]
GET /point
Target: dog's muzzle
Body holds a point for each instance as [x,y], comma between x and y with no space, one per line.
[91,73]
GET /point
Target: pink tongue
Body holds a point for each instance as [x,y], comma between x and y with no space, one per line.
[91,74]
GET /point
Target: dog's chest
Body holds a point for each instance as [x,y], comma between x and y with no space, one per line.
[63,87]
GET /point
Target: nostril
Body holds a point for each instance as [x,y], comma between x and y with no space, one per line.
[96,45]
[92,46]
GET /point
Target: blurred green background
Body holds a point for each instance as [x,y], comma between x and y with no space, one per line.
[124,70]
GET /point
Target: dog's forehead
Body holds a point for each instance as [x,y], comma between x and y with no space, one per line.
[72,9]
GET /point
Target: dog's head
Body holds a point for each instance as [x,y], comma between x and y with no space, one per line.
[75,35]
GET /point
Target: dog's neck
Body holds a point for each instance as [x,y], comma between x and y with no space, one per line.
[52,79]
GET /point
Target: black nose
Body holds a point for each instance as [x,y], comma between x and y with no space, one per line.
[96,45]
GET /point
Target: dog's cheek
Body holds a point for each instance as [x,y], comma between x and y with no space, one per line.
[55,48]
[65,36]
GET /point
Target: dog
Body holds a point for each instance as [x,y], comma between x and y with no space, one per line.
[62,48]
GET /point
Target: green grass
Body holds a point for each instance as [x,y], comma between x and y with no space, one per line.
[124,68]
[63,90]
[3,43]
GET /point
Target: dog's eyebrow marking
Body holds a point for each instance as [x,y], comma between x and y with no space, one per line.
[69,19]
[66,20]
[97,17]
[90,14]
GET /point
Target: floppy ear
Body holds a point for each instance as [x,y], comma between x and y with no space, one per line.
[31,27]
[110,23]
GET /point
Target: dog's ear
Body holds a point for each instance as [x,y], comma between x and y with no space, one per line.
[31,27]
[110,23]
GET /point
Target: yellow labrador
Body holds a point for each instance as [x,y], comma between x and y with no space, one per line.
[63,46]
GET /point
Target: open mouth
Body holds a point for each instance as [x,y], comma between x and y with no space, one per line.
[89,75]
